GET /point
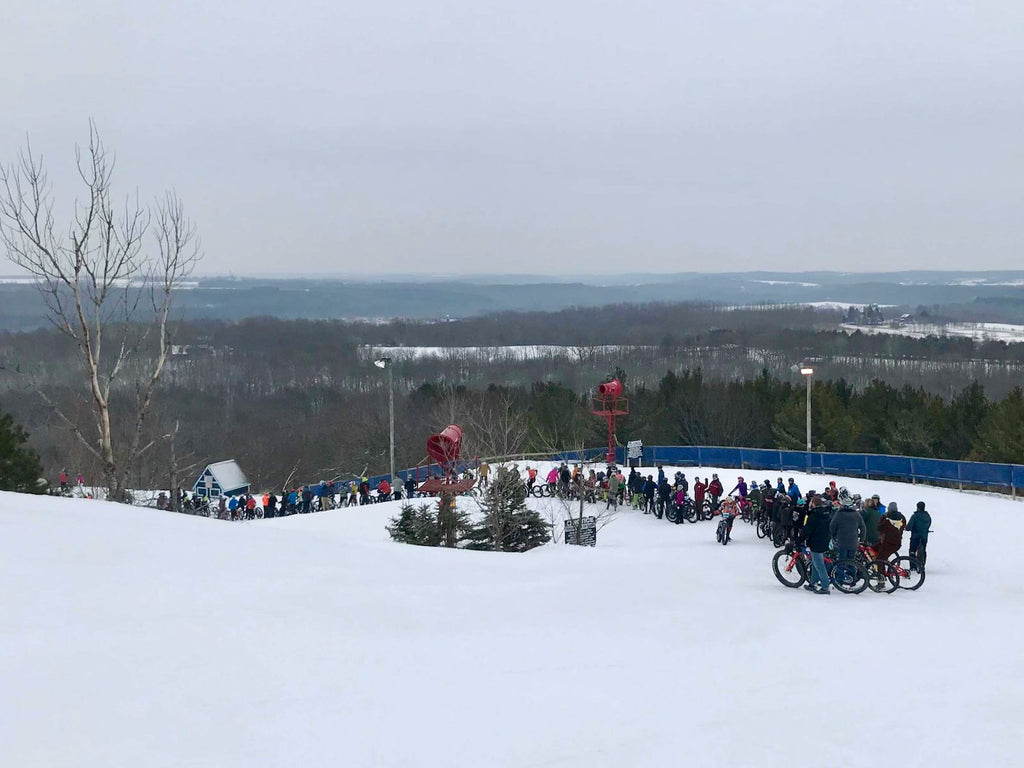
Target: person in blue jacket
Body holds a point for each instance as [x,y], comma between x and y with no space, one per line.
[793,491]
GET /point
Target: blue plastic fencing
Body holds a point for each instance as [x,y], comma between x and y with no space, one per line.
[973,473]
[911,468]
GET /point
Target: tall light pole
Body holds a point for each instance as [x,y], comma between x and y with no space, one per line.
[807,373]
[385,362]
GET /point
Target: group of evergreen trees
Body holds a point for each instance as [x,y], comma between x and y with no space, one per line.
[505,523]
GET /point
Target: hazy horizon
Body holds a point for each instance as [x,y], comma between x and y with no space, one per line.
[543,138]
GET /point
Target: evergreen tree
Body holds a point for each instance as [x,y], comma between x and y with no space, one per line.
[20,469]
[416,525]
[508,525]
[966,414]
[1001,438]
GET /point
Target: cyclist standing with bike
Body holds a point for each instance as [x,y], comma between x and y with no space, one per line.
[918,526]
[847,529]
[817,535]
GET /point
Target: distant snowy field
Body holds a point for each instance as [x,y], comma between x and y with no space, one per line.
[133,637]
[977,331]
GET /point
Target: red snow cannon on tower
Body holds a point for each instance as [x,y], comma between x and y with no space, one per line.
[445,447]
[608,404]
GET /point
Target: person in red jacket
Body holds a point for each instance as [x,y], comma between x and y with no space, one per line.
[699,488]
[715,490]
[384,490]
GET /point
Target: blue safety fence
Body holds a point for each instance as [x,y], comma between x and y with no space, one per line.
[910,468]
[970,473]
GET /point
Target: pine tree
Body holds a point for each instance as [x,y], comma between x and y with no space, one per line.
[508,525]
[1001,438]
[416,525]
[20,469]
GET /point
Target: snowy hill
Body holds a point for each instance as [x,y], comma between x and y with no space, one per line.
[132,637]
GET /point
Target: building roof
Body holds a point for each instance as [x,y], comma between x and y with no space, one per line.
[228,475]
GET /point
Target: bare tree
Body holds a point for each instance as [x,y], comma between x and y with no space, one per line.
[99,281]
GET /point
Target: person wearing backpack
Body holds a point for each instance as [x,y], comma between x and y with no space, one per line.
[918,526]
[890,533]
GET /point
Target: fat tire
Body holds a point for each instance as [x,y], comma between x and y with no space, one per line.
[916,574]
[779,561]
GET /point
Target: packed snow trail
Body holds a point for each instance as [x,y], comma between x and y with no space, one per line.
[133,637]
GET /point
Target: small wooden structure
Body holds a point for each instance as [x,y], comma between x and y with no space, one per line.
[225,478]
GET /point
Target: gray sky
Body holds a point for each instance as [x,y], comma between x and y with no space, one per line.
[527,136]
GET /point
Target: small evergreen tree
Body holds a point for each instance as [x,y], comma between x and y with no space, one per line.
[421,526]
[416,525]
[20,469]
[508,525]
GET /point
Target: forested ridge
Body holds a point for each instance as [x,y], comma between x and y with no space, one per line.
[303,398]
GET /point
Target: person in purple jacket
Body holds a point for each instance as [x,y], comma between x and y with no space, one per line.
[741,486]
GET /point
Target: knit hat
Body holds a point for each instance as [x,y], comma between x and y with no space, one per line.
[920,506]
[893,507]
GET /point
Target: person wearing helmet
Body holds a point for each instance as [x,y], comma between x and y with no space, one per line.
[715,490]
[741,487]
[793,491]
[847,528]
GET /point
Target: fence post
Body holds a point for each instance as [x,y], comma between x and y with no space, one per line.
[913,472]
[960,479]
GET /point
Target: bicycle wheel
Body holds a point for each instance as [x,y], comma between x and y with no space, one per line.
[779,537]
[657,510]
[850,578]
[536,491]
[911,575]
[258,512]
[789,569]
[762,530]
[883,576]
[691,514]
[673,514]
[718,533]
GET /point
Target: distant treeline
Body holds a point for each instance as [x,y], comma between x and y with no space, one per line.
[302,399]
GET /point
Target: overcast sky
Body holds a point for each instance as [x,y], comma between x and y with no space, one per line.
[474,136]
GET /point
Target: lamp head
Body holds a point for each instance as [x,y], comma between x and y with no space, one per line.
[383,362]
[806,371]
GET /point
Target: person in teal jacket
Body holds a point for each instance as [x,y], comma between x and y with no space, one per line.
[872,517]
[918,526]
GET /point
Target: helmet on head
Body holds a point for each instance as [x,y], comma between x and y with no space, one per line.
[845,499]
[740,480]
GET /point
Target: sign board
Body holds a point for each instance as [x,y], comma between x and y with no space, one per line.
[585,538]
[635,449]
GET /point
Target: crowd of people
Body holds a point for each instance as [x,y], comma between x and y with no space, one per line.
[813,519]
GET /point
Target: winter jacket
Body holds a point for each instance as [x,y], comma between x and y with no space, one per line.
[698,492]
[613,485]
[553,476]
[742,488]
[816,529]
[872,517]
[794,493]
[648,489]
[715,488]
[847,528]
[919,524]
[890,537]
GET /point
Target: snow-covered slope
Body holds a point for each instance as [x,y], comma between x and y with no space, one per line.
[132,637]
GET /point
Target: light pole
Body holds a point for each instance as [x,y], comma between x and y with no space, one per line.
[385,362]
[807,373]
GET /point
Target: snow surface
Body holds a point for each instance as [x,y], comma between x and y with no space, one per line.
[135,637]
[977,331]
